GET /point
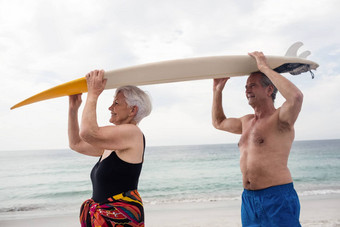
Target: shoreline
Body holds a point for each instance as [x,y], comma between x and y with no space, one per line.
[320,210]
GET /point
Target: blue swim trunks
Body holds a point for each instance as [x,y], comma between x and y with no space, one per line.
[274,206]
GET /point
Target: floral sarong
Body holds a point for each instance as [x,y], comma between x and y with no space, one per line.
[122,210]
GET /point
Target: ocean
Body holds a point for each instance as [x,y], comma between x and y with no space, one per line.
[36,183]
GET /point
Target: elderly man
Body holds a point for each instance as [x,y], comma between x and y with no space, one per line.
[269,197]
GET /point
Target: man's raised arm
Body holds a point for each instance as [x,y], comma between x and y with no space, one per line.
[219,119]
[290,109]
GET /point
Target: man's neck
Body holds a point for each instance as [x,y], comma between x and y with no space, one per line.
[266,109]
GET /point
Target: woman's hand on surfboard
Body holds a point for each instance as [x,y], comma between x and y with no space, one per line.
[95,82]
[75,101]
[261,60]
[220,83]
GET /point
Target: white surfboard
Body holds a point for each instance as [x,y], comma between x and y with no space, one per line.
[183,70]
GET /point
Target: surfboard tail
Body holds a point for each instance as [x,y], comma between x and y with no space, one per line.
[70,88]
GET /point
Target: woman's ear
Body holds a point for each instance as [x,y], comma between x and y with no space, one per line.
[134,110]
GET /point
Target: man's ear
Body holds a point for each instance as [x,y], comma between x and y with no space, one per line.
[270,90]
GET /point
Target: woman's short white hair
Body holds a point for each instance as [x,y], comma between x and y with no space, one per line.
[134,96]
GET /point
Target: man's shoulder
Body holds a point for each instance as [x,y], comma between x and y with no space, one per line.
[247,117]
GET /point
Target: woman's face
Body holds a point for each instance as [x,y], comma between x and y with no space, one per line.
[120,112]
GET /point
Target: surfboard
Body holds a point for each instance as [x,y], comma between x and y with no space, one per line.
[183,70]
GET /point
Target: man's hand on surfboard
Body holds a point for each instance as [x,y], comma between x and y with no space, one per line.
[95,82]
[220,83]
[261,60]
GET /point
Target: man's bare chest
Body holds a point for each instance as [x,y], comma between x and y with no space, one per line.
[258,132]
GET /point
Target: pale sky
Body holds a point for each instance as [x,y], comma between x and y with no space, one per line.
[46,43]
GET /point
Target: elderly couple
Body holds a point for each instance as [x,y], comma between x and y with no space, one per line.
[268,199]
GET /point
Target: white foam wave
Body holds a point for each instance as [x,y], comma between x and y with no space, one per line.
[153,201]
[320,192]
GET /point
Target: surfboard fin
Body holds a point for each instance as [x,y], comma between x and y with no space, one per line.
[293,49]
[304,54]
[296,69]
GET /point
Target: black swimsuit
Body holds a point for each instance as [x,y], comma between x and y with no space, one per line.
[113,176]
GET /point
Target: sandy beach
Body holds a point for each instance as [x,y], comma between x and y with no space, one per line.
[320,210]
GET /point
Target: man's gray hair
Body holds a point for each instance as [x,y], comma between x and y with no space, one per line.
[136,97]
[265,82]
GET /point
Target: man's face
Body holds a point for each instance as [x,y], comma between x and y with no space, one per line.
[255,93]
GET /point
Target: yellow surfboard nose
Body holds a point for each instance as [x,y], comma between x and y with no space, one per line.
[70,88]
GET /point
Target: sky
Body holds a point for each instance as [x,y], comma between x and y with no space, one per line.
[46,43]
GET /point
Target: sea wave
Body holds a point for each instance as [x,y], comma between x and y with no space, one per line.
[320,192]
[62,194]
[19,208]
[188,200]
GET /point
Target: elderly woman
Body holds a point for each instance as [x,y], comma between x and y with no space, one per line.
[115,199]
